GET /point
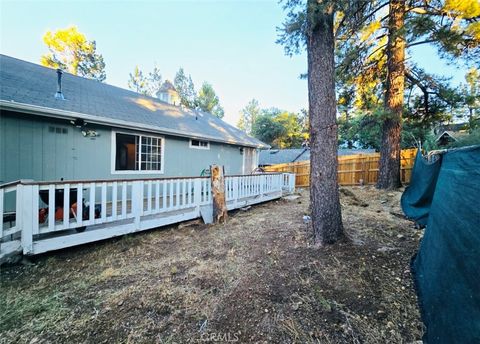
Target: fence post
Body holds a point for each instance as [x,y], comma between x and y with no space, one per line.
[25,215]
[137,201]
[365,176]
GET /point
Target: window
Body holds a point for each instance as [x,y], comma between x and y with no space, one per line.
[198,144]
[138,153]
[58,130]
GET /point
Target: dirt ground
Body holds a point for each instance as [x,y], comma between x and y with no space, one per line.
[257,279]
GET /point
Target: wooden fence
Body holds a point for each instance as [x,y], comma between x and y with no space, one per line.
[352,169]
[53,215]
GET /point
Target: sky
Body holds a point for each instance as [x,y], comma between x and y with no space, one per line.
[230,44]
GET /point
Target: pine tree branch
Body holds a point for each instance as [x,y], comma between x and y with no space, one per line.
[422,87]
[376,50]
[421,42]
[365,18]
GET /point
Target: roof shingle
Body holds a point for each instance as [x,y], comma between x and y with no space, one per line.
[28,83]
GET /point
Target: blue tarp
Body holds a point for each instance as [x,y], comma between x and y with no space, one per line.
[445,195]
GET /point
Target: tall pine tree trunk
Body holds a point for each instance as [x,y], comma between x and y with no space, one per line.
[324,194]
[389,173]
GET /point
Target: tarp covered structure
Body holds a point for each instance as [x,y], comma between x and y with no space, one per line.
[445,196]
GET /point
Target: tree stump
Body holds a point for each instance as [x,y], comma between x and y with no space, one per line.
[218,194]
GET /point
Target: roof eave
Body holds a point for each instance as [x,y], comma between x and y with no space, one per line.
[64,114]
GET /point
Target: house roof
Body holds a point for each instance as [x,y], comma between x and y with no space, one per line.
[30,88]
[166,86]
[452,134]
[451,127]
[282,156]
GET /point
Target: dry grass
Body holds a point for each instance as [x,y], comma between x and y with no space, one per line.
[256,279]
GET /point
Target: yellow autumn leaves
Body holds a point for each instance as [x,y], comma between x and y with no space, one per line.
[66,48]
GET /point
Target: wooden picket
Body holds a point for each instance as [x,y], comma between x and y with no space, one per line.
[355,169]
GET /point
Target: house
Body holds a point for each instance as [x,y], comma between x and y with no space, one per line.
[283,156]
[446,134]
[168,93]
[447,137]
[58,126]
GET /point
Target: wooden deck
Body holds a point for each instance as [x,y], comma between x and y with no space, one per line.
[126,207]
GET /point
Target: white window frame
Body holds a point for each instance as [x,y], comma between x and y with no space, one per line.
[200,147]
[114,151]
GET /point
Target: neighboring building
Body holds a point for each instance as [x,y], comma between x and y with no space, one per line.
[449,133]
[448,137]
[91,130]
[445,138]
[168,93]
[451,128]
[282,156]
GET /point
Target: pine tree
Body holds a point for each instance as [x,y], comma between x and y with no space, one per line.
[248,115]
[364,53]
[207,100]
[312,25]
[185,88]
[154,81]
[471,97]
[70,50]
[389,168]
[137,81]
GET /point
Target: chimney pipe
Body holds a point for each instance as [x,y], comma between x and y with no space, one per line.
[59,94]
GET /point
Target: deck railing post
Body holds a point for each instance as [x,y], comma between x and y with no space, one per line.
[197,194]
[262,185]
[1,217]
[137,201]
[19,215]
[235,190]
[26,215]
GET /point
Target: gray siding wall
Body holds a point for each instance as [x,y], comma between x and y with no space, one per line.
[28,150]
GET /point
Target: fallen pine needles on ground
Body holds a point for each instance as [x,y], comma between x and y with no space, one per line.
[256,279]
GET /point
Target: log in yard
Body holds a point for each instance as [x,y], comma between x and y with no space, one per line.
[218,194]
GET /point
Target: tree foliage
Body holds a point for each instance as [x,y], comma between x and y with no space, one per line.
[375,81]
[279,128]
[248,116]
[208,101]
[362,57]
[185,88]
[145,84]
[267,130]
[70,50]
[470,98]
[154,81]
[450,26]
[138,82]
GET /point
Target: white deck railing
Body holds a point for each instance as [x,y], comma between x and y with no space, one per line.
[102,209]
